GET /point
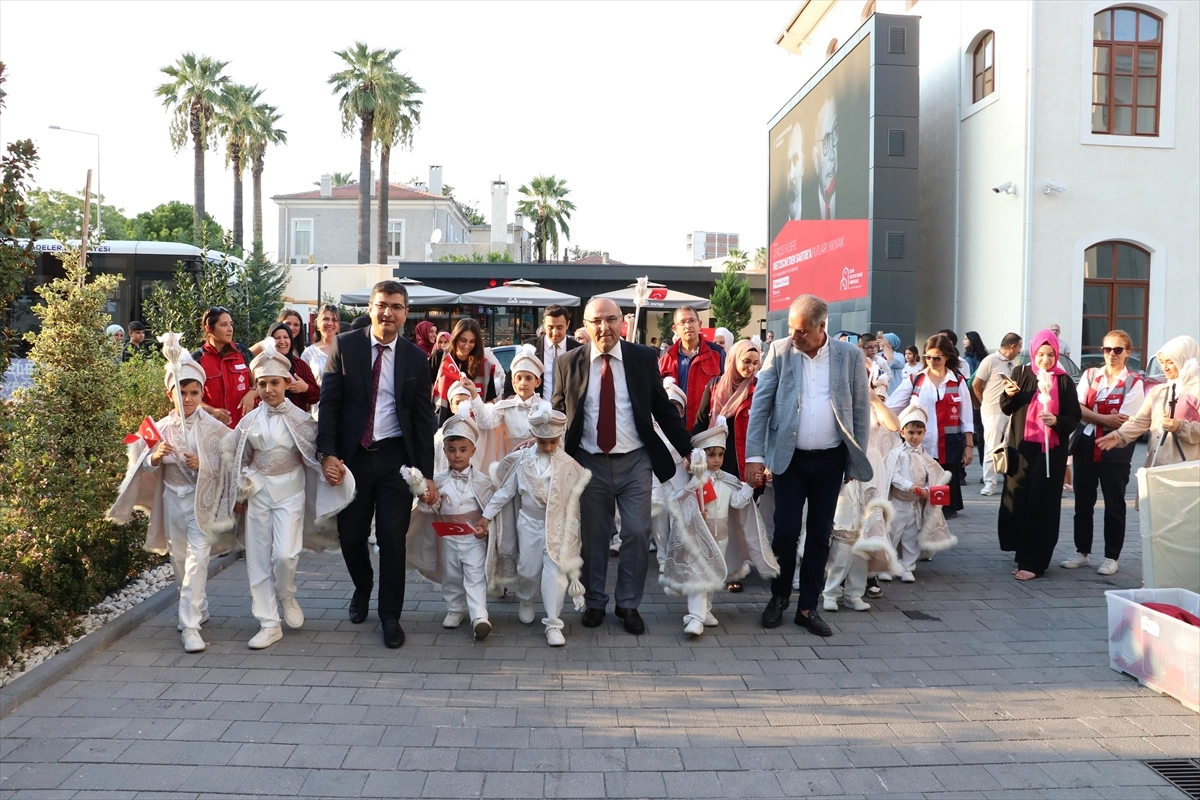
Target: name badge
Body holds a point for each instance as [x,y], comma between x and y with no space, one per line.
[239,366]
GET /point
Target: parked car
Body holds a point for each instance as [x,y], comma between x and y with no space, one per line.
[1153,375]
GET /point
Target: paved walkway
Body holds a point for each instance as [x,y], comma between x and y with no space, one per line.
[966,684]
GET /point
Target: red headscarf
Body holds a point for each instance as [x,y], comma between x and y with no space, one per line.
[732,389]
[424,328]
[1035,431]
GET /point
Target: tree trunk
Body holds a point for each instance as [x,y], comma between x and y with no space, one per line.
[539,238]
[364,188]
[235,158]
[385,159]
[256,171]
[198,145]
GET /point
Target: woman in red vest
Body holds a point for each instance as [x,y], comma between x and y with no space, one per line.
[464,358]
[1108,397]
[226,364]
[945,394]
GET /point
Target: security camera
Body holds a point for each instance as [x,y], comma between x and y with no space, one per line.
[1005,188]
[1053,186]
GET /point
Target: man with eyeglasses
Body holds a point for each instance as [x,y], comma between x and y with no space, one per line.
[825,158]
[691,361]
[612,396]
[987,387]
[376,417]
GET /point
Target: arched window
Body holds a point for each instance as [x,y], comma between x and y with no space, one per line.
[1116,294]
[1126,71]
[868,10]
[831,49]
[984,67]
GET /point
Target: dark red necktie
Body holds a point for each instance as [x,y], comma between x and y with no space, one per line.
[606,426]
[369,434]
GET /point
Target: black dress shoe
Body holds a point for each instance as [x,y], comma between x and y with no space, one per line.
[359,604]
[393,634]
[593,617]
[772,615]
[632,619]
[813,623]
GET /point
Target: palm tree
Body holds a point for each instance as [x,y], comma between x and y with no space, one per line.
[192,96]
[264,132]
[397,115]
[367,73]
[760,258]
[736,259]
[545,202]
[235,121]
[338,179]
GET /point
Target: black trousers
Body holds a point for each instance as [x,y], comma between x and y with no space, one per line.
[380,493]
[1112,477]
[814,477]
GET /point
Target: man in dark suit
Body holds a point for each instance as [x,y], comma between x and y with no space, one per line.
[612,394]
[376,417]
[550,344]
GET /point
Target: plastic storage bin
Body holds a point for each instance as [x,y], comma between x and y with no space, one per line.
[1160,651]
[1169,498]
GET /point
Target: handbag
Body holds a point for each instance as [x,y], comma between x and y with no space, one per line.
[999,458]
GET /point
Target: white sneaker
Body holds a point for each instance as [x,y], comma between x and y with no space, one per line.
[453,619]
[830,604]
[1109,567]
[988,490]
[203,619]
[710,621]
[293,615]
[555,638]
[907,577]
[482,629]
[1078,560]
[858,604]
[266,637]
[694,628]
[526,612]
[192,643]
[886,577]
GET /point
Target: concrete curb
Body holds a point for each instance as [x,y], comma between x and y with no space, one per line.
[58,666]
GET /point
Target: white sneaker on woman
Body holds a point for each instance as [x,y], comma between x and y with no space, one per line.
[1076,561]
[1109,567]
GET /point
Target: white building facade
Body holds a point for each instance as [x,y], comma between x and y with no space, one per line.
[1059,148]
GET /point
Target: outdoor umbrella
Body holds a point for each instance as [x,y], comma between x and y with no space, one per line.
[519,293]
[418,295]
[659,297]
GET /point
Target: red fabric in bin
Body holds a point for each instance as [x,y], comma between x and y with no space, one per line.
[1174,612]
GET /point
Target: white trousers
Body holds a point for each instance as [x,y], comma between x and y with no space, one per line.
[906,527]
[464,575]
[536,570]
[660,529]
[274,537]
[995,426]
[190,551]
[845,572]
[700,603]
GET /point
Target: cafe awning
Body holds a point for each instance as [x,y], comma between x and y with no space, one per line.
[519,293]
[418,295]
[660,298]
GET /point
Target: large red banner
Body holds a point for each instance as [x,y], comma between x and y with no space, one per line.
[825,257]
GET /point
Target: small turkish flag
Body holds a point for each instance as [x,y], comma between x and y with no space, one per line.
[453,529]
[450,369]
[147,432]
[939,495]
[710,492]
[658,294]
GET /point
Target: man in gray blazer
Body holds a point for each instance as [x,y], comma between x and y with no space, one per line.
[809,424]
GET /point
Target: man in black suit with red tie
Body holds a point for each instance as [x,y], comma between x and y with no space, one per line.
[612,395]
[376,417]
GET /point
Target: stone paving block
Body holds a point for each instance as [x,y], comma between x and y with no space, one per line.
[512,785]
[334,783]
[394,784]
[257,754]
[573,785]
[39,776]
[317,756]
[453,784]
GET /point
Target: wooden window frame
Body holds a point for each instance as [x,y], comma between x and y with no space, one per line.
[979,77]
[1110,74]
[1114,284]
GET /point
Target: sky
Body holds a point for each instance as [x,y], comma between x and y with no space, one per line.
[654,113]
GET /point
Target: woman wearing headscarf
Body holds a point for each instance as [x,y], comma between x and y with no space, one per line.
[426,336]
[727,398]
[1043,412]
[1171,413]
[723,338]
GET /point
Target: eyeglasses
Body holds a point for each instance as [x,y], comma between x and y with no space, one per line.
[829,141]
[686,322]
[602,321]
[1116,351]
[933,358]
[397,307]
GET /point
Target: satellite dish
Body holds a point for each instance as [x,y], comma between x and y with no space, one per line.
[437,236]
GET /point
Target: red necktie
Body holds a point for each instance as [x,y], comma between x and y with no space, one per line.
[606,426]
[368,436]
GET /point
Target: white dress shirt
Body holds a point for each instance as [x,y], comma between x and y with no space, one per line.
[455,495]
[550,354]
[387,423]
[627,435]
[1129,404]
[818,428]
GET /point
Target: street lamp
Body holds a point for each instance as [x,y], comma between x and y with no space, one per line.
[99,228]
[319,268]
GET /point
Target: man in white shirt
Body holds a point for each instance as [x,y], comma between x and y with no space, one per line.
[549,345]
[987,387]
